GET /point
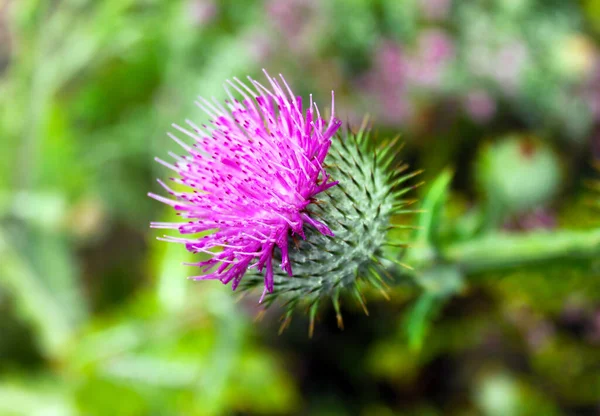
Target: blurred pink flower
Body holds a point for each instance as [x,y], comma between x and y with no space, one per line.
[390,62]
[435,50]
[435,9]
[395,73]
[480,106]
[293,19]
[386,83]
[202,12]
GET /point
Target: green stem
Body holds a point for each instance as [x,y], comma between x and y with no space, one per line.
[500,251]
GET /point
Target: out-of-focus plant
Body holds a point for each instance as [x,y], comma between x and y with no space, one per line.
[97,319]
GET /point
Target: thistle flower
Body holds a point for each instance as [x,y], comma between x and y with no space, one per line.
[253,172]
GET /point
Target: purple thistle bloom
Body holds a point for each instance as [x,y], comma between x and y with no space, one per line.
[252,174]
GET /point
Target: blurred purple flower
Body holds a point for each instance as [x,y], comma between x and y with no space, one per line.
[435,9]
[292,18]
[252,175]
[202,12]
[386,81]
[480,106]
[390,62]
[395,73]
[435,50]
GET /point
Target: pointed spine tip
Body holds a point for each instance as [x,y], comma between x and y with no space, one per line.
[338,310]
[260,315]
[340,321]
[287,319]
[312,316]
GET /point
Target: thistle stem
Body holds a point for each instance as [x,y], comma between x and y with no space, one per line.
[501,251]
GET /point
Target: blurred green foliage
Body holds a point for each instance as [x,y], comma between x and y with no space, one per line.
[501,318]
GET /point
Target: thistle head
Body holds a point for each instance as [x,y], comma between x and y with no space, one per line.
[251,174]
[269,184]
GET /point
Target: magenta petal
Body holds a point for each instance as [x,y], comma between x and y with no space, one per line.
[322,228]
[251,172]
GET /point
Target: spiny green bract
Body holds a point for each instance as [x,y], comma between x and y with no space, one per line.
[358,210]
